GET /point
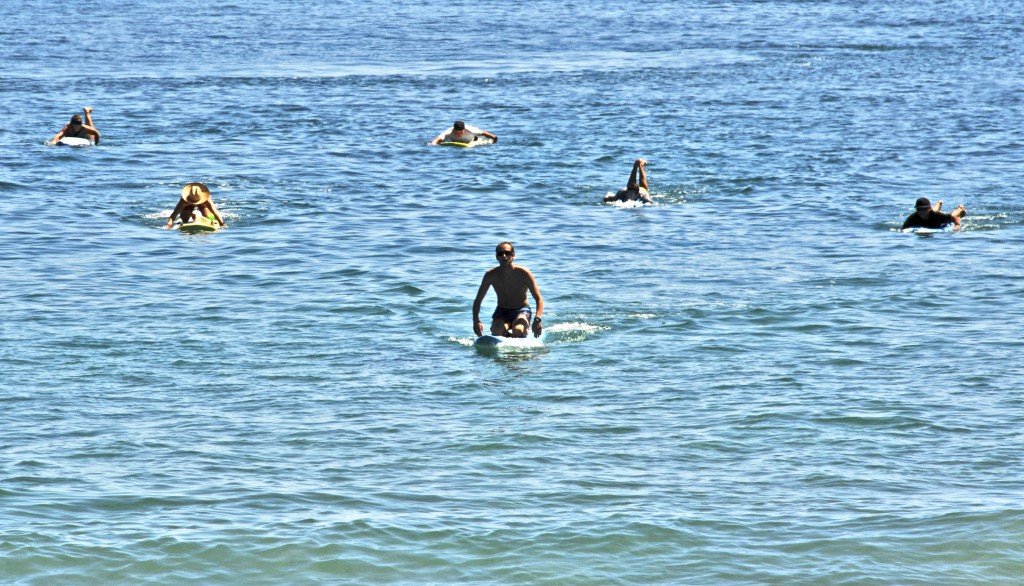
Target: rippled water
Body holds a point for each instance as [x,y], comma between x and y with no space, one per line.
[756,380]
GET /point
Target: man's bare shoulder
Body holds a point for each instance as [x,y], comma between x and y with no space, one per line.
[523,271]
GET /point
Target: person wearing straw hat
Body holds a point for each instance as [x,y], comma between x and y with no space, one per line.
[75,128]
[634,190]
[929,216]
[195,202]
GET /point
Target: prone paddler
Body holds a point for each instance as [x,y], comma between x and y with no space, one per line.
[462,133]
[76,129]
[195,204]
[927,215]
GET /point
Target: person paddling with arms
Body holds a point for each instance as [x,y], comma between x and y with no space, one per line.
[195,202]
[511,318]
[931,216]
[75,129]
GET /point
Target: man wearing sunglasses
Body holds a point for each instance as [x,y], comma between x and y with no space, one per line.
[511,318]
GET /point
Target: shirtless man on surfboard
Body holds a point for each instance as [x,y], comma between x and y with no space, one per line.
[75,128]
[511,318]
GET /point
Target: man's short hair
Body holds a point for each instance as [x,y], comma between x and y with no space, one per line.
[459,125]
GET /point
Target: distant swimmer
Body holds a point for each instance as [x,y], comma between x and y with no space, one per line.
[75,128]
[929,216]
[195,203]
[633,191]
[462,133]
[511,318]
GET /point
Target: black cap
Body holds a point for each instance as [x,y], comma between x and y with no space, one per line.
[922,202]
[459,125]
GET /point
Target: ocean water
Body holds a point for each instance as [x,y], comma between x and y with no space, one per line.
[757,380]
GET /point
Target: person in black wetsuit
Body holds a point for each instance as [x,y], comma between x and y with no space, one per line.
[929,216]
[75,128]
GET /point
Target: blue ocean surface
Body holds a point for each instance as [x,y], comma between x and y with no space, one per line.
[756,380]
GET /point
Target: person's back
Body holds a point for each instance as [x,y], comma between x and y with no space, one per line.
[932,219]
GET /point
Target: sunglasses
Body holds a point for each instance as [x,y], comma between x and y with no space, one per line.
[505,253]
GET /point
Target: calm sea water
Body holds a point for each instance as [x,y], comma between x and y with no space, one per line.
[758,380]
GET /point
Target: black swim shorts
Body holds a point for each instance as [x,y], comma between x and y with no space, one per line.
[509,315]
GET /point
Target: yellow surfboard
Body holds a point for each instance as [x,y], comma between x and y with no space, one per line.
[201,225]
[466,145]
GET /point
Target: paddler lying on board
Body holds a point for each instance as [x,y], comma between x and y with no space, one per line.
[75,128]
[634,191]
[929,216]
[462,132]
[195,202]
[511,318]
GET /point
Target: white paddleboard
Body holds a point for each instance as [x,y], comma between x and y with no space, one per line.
[923,230]
[74,142]
[501,342]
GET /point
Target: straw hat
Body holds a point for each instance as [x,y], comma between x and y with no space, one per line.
[195,194]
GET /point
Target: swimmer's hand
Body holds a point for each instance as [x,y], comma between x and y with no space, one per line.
[537,327]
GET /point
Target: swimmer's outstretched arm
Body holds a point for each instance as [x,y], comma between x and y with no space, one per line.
[174,214]
[440,137]
[216,214]
[59,135]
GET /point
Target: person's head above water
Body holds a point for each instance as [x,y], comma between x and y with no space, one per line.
[76,120]
[459,125]
[923,202]
[505,250]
